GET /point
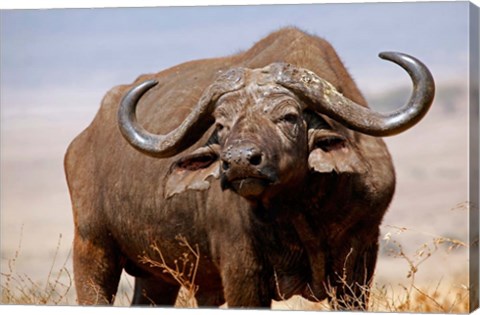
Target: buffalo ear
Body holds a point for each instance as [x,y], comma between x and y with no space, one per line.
[332,152]
[192,172]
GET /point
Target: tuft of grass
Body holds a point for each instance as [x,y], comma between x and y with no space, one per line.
[20,289]
[446,298]
[443,298]
[184,270]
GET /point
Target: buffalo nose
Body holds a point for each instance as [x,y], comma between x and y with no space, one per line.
[246,155]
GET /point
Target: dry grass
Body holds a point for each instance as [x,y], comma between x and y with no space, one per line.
[184,270]
[413,297]
[20,289]
[439,298]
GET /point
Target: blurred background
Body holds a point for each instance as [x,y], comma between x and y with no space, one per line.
[57,64]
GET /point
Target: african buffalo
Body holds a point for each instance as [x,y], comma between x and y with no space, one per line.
[268,161]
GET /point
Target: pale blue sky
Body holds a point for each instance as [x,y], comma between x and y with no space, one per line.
[94,49]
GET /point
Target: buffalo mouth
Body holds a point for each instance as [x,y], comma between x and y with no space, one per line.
[248,187]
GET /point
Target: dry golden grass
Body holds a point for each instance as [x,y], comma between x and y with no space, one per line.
[184,270]
[20,289]
[412,297]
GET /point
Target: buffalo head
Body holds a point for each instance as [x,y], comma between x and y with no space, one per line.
[272,125]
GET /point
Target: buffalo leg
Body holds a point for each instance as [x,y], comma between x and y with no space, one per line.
[97,270]
[209,299]
[351,282]
[246,282]
[149,291]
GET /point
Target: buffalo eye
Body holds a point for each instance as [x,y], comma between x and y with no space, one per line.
[289,118]
[219,127]
[221,132]
[217,135]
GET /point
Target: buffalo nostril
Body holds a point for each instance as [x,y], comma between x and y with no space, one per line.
[255,159]
[225,165]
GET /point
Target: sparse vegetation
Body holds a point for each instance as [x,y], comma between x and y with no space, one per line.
[413,297]
[443,298]
[20,289]
[183,271]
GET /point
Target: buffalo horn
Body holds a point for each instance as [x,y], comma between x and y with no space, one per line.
[188,132]
[325,99]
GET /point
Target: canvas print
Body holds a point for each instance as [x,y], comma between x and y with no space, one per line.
[299,157]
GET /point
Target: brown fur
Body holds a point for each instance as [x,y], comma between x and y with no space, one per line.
[251,252]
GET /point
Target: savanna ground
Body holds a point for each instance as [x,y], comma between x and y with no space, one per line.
[423,260]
